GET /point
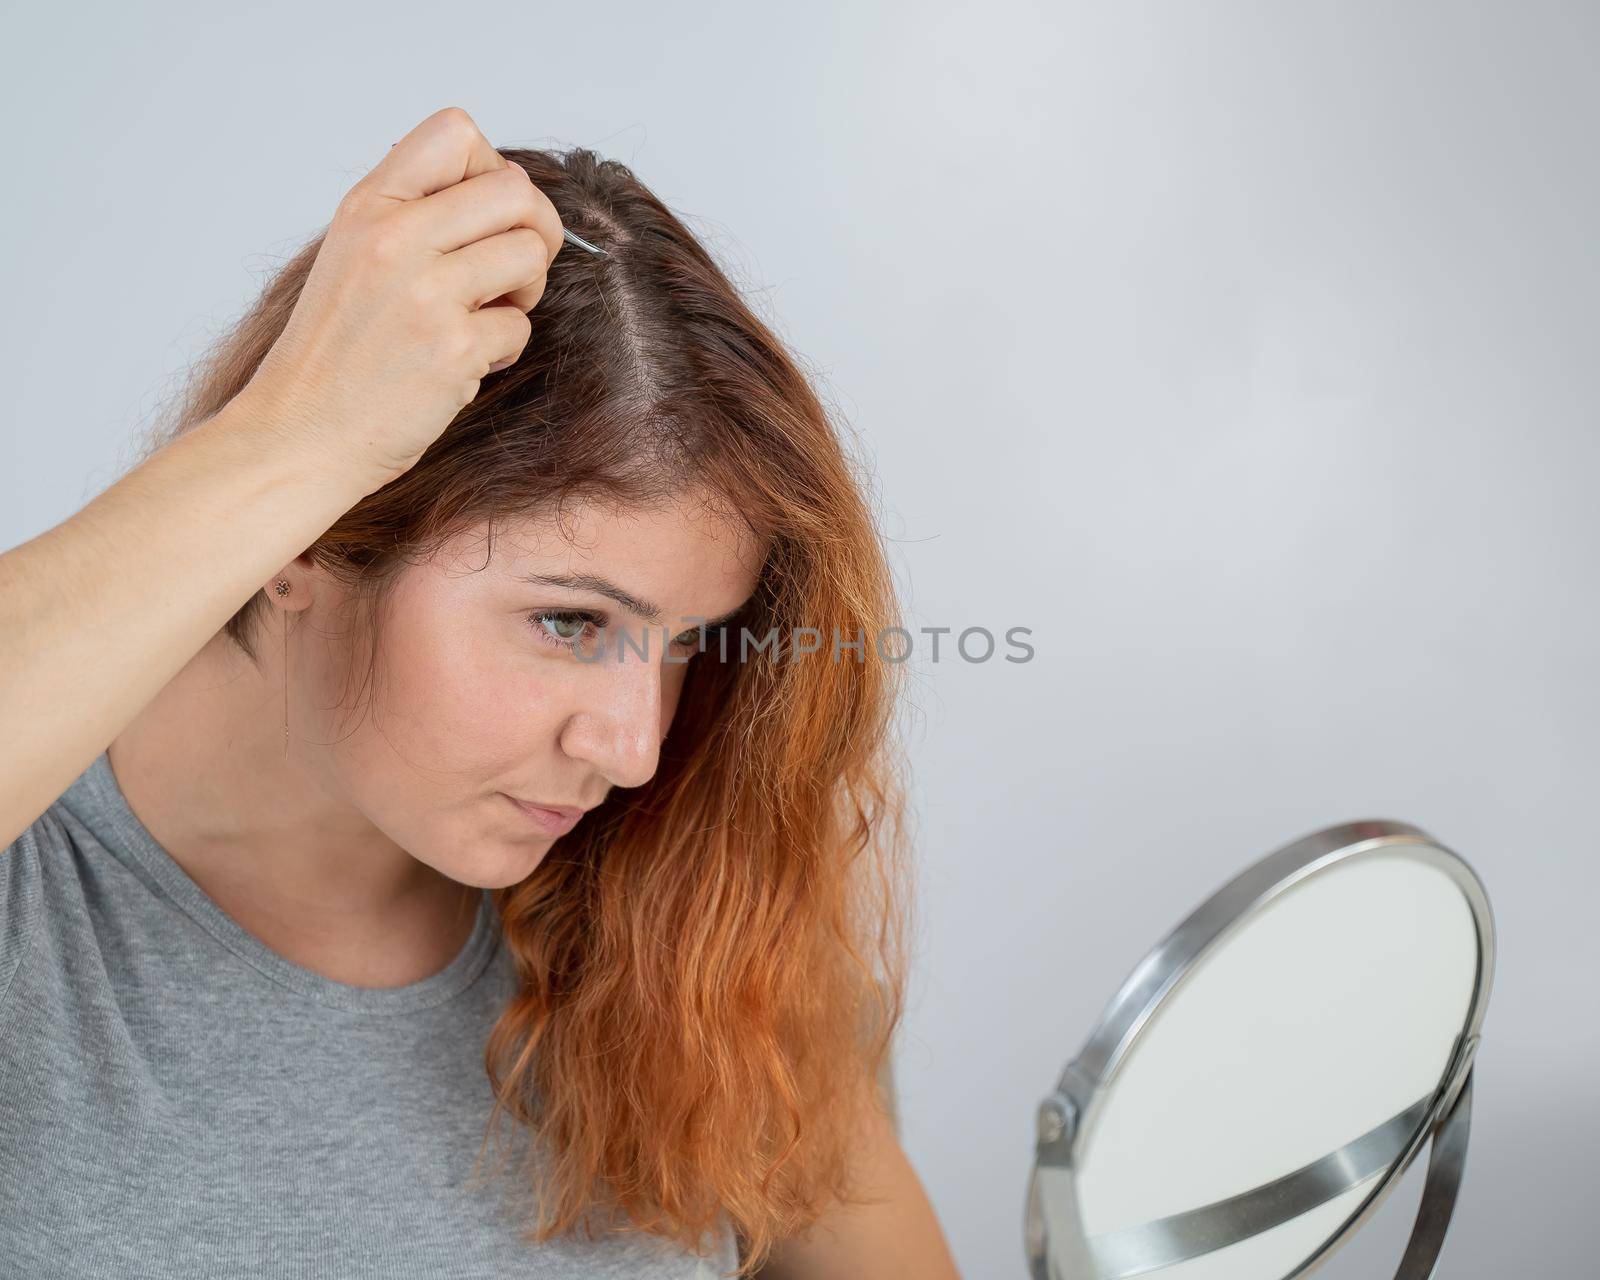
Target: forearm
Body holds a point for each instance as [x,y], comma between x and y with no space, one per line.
[99,612]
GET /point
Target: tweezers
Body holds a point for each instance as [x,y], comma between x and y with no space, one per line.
[583,244]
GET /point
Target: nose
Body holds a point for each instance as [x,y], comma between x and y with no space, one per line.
[618,727]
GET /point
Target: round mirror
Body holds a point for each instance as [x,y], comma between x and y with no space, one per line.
[1268,1072]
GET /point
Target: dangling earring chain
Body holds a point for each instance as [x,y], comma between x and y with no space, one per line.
[282,588]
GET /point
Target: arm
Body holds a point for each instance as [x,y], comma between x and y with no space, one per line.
[899,1239]
[99,612]
[388,338]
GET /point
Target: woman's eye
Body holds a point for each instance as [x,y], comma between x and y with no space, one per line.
[577,629]
[564,628]
[700,640]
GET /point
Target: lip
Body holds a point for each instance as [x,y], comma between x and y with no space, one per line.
[555,820]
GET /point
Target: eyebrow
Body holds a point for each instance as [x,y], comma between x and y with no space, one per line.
[603,586]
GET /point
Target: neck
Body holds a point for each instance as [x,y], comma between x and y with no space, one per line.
[272,839]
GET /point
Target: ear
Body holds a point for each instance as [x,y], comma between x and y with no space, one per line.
[300,576]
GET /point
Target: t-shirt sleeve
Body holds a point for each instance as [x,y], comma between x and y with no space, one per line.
[21,895]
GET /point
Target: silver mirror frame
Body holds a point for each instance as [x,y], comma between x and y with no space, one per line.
[1053,1235]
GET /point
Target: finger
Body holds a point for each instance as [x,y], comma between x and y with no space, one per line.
[482,207]
[503,333]
[511,265]
[443,150]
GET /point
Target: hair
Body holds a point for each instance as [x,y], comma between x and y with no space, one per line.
[710,967]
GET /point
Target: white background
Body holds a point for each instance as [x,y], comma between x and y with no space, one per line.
[1245,352]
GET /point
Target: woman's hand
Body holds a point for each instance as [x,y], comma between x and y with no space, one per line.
[421,287]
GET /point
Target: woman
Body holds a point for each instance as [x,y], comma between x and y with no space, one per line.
[470,825]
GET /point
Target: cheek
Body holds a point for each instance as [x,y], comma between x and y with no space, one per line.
[460,693]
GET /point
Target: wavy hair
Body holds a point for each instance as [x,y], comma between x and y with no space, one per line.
[711,967]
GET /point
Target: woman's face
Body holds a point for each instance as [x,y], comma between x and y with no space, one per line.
[482,697]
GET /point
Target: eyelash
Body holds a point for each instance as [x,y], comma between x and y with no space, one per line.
[596,620]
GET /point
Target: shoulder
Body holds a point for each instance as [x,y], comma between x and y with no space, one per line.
[22,891]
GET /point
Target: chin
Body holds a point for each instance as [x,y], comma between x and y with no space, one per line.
[512,867]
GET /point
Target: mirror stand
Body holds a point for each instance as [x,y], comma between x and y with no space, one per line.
[1142,1250]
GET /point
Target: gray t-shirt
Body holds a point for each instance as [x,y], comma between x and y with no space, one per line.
[179,1100]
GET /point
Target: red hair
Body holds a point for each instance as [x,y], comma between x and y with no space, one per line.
[711,966]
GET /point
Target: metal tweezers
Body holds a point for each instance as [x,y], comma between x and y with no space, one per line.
[583,244]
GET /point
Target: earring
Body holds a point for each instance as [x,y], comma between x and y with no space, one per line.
[282,586]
